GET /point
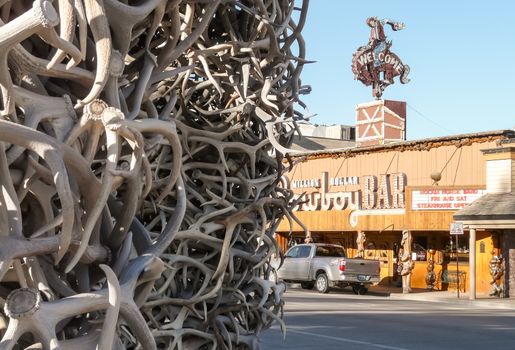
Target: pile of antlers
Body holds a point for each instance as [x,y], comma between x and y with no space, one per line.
[142,144]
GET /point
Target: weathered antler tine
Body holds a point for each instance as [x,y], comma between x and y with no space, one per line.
[99,26]
[112,147]
[173,53]
[82,24]
[67,28]
[50,36]
[46,147]
[10,206]
[39,66]
[172,227]
[108,329]
[42,15]
[169,131]
[124,17]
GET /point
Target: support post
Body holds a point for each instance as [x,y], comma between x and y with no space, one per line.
[472,264]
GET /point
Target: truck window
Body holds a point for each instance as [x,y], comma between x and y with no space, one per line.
[304,251]
[292,253]
[330,251]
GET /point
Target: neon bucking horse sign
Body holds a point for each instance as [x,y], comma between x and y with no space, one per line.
[374,64]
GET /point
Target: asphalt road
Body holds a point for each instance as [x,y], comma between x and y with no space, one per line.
[342,320]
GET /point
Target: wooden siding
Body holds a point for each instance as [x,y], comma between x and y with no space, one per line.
[459,166]
[336,220]
[500,176]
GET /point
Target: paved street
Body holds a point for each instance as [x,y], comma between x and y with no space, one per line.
[342,320]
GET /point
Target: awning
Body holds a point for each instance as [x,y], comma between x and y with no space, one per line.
[493,210]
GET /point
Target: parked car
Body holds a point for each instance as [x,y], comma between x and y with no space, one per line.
[325,265]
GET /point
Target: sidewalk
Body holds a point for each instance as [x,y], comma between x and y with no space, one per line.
[481,301]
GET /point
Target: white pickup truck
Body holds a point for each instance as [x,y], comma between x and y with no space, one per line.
[325,265]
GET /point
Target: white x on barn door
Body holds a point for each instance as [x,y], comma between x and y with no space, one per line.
[370,124]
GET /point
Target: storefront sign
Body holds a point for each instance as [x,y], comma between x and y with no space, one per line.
[305,183]
[385,192]
[325,200]
[456,228]
[444,199]
[344,181]
[334,181]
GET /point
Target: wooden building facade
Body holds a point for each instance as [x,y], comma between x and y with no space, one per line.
[385,189]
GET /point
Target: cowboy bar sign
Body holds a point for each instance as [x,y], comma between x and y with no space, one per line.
[374,64]
[385,191]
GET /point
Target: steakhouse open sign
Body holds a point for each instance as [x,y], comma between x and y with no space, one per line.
[444,199]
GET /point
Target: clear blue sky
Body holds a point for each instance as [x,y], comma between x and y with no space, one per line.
[461,55]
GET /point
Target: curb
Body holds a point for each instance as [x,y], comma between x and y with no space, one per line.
[435,297]
[507,304]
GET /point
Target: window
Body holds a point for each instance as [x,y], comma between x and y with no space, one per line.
[450,252]
[420,248]
[330,251]
[420,252]
[304,251]
[293,252]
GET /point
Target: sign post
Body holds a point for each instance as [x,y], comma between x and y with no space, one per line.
[457,230]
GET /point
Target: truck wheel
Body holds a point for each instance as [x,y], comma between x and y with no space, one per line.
[307,285]
[322,283]
[359,289]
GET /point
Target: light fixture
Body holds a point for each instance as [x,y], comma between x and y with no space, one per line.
[436,176]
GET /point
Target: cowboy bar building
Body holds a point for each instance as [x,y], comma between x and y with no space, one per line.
[385,185]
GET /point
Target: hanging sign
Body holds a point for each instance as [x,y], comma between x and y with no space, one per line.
[374,64]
